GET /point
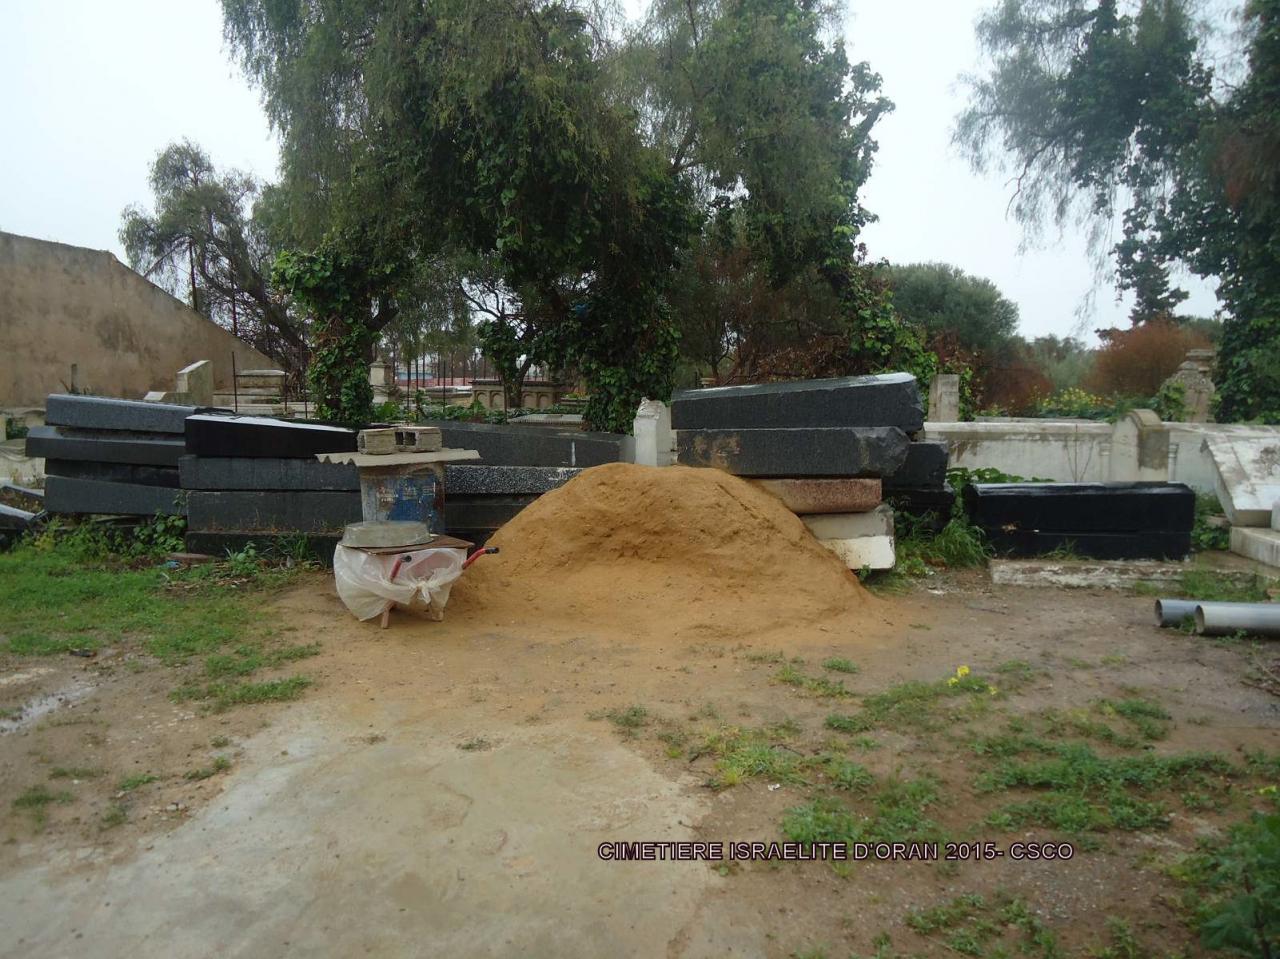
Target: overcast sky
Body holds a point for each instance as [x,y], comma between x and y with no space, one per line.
[94,90]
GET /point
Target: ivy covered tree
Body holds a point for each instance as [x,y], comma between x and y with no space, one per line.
[1116,109]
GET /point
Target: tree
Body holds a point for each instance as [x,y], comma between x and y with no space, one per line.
[1107,108]
[210,237]
[944,299]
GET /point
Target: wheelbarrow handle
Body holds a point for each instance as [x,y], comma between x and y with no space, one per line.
[483,551]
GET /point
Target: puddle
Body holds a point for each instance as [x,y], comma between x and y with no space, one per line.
[42,706]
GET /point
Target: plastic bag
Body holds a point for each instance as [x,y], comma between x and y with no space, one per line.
[422,581]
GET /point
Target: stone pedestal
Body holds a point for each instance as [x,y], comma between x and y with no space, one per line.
[944,398]
[653,437]
[195,384]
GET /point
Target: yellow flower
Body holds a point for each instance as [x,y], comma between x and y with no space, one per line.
[992,690]
[962,672]
[952,681]
[1267,791]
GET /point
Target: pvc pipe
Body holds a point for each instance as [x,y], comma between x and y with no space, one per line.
[1223,619]
[1174,612]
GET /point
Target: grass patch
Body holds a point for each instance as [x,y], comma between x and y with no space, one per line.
[627,721]
[919,706]
[475,744]
[130,783]
[817,685]
[248,658]
[972,925]
[116,815]
[898,814]
[220,764]
[220,696]
[1080,791]
[743,754]
[74,772]
[37,799]
[838,665]
[1212,586]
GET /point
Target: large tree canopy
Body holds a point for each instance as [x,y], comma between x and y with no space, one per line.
[1112,109]
[943,299]
[576,168]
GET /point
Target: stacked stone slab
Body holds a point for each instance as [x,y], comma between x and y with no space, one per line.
[110,456]
[512,445]
[478,500]
[1094,520]
[254,479]
[826,448]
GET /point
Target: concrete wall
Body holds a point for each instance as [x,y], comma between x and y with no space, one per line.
[1137,447]
[62,304]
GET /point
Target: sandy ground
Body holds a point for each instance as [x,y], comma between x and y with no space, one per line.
[443,789]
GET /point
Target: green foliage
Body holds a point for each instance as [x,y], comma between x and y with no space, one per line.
[1206,535]
[941,298]
[1095,103]
[971,925]
[919,706]
[13,430]
[1235,888]
[1170,402]
[898,814]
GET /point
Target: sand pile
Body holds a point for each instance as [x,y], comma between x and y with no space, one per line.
[677,549]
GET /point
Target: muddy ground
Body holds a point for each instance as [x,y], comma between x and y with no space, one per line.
[444,787]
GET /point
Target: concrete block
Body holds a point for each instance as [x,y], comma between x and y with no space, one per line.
[888,399]
[507,445]
[195,383]
[318,546]
[165,476]
[878,522]
[863,552]
[1246,476]
[99,413]
[845,452]
[63,494]
[1092,545]
[652,432]
[249,473]
[1082,507]
[211,434]
[803,496]
[924,468]
[418,439]
[376,442]
[276,512]
[944,398]
[1262,545]
[504,480]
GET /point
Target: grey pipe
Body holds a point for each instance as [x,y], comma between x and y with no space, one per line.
[1175,612]
[1223,619]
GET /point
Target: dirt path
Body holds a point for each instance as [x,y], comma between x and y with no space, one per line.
[444,788]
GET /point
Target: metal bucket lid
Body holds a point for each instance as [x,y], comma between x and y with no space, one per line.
[387,532]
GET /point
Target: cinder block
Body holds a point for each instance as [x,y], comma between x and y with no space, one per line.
[924,468]
[504,480]
[275,512]
[844,452]
[65,495]
[1262,545]
[803,496]
[418,439]
[165,476]
[101,413]
[376,442]
[101,446]
[249,473]
[211,434]
[878,522]
[863,552]
[889,399]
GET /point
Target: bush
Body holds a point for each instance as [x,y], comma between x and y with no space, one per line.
[1137,361]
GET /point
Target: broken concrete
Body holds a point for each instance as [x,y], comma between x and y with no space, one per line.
[878,522]
[1091,574]
[889,399]
[66,495]
[100,413]
[249,473]
[1246,476]
[1260,545]
[803,496]
[278,512]
[845,452]
[102,446]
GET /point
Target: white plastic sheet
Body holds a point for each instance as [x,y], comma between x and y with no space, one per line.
[422,582]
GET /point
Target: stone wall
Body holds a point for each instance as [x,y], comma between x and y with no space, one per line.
[62,305]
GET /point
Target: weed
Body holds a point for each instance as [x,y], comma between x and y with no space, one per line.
[74,772]
[970,924]
[1148,718]
[839,665]
[130,783]
[1212,586]
[1080,791]
[743,754]
[220,764]
[1207,534]
[116,815]
[818,685]
[898,815]
[917,705]
[475,744]
[220,742]
[36,800]
[773,657]
[627,721]
[224,695]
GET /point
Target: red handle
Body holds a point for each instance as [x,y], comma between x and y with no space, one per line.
[483,551]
